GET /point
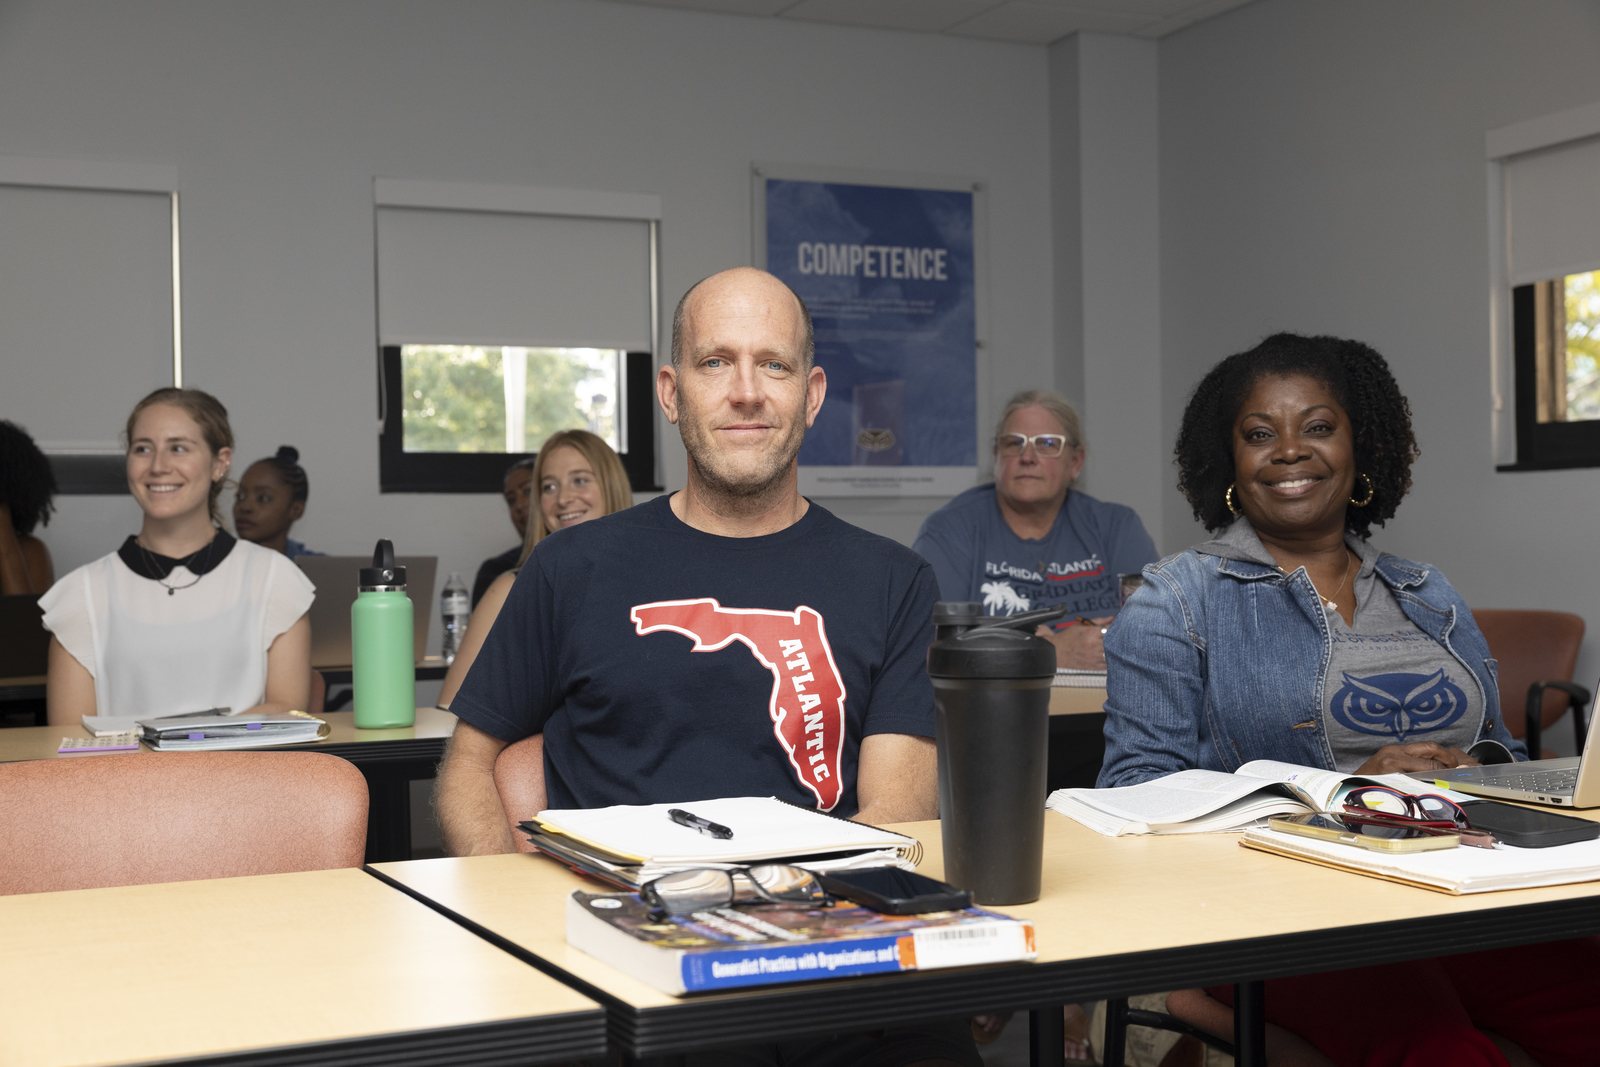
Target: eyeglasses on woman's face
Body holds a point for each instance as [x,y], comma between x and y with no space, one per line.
[1048,445]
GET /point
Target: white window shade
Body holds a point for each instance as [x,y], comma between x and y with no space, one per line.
[1553,211]
[85,309]
[498,278]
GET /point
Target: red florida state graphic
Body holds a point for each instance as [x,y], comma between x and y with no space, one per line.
[807,703]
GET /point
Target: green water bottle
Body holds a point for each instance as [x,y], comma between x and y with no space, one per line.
[385,675]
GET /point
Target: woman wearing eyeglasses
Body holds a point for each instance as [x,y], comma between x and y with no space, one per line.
[1028,540]
[1289,637]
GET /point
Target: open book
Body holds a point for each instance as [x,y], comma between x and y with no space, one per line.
[1198,801]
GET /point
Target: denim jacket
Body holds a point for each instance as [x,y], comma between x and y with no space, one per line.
[1215,662]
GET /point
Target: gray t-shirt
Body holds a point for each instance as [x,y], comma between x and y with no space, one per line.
[1389,683]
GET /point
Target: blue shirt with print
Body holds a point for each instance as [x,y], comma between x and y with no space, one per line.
[976,556]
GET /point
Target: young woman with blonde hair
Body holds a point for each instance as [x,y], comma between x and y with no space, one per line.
[577,477]
[182,617]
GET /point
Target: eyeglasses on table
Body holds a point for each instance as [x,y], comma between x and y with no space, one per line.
[1428,812]
[686,892]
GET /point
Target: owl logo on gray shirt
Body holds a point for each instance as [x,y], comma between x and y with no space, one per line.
[1398,706]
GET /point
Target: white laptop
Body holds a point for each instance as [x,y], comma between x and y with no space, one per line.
[1569,782]
[337,578]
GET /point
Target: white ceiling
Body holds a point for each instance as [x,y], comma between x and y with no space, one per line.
[1023,21]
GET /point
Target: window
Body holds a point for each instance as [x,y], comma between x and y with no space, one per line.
[474,398]
[505,314]
[1544,263]
[454,438]
[1557,344]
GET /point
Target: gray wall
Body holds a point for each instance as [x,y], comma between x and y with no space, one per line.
[279,114]
[1322,170]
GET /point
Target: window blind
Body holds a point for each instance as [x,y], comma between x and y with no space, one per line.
[501,278]
[1553,211]
[85,309]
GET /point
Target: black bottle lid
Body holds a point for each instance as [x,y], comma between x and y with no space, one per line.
[970,644]
[383,574]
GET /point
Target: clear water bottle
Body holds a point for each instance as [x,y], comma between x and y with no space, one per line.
[455,604]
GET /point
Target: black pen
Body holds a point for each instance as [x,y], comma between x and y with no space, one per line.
[695,822]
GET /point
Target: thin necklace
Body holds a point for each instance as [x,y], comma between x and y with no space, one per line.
[1330,604]
[155,571]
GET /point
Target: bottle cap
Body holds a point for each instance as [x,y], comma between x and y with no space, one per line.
[969,644]
[383,574]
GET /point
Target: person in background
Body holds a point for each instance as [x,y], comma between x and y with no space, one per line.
[182,617]
[27,492]
[1288,636]
[271,498]
[1028,540]
[579,478]
[518,490]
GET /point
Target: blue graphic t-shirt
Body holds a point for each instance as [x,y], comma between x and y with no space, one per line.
[1391,684]
[663,663]
[976,556]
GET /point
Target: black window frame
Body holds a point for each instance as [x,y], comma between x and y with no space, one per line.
[1542,446]
[400,471]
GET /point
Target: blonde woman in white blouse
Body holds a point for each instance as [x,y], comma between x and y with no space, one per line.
[182,617]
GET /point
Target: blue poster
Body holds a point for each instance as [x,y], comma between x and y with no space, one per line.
[888,275]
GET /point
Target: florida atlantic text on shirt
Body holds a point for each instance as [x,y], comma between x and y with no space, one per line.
[807,713]
[1008,588]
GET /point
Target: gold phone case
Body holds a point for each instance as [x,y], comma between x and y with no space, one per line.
[1288,825]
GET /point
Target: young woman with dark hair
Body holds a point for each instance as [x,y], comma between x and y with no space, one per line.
[27,491]
[182,617]
[270,499]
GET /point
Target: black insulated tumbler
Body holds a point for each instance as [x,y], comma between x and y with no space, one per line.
[991,688]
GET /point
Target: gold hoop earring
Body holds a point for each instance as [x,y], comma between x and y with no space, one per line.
[1229,500]
[1363,503]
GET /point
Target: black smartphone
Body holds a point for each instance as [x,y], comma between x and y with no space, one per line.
[1523,827]
[893,891]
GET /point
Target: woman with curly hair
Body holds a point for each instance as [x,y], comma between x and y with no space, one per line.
[1289,637]
[27,489]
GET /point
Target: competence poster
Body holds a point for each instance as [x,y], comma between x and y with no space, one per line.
[888,274]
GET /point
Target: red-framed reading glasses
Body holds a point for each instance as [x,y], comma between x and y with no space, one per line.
[1427,812]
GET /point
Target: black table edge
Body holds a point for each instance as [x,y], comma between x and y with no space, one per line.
[368,752]
[781,1011]
[538,1039]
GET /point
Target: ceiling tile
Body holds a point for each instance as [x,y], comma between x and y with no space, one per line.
[927,15]
[1189,15]
[730,7]
[1033,22]
[1145,9]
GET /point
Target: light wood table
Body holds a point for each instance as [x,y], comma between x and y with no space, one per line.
[1119,916]
[389,759]
[1066,701]
[326,967]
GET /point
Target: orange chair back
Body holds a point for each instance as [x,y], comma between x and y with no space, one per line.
[519,776]
[1532,646]
[92,821]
